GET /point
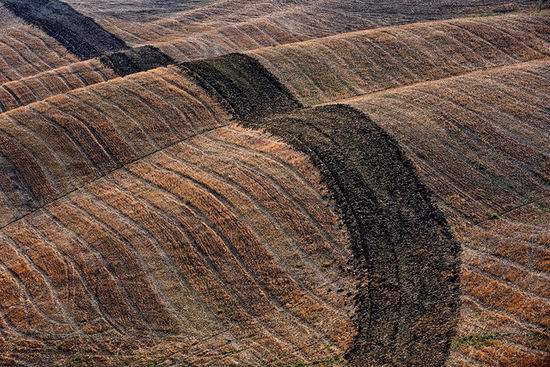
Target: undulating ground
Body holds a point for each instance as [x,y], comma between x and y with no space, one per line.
[274,183]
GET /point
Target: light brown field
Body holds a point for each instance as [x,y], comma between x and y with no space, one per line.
[211,28]
[57,145]
[353,64]
[50,83]
[221,243]
[26,50]
[274,208]
[480,142]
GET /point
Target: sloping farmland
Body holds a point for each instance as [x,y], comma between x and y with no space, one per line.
[274,183]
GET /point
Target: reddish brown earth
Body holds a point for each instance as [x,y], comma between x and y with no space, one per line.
[196,250]
[366,185]
[490,175]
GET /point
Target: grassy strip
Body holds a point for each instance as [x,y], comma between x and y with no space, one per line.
[476,341]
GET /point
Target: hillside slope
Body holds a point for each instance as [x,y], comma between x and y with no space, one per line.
[274,183]
[52,147]
[352,64]
[480,142]
[187,251]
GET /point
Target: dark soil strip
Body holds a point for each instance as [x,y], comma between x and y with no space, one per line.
[16,189]
[81,35]
[405,256]
[246,87]
[136,60]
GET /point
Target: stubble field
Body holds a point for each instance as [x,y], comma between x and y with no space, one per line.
[274,183]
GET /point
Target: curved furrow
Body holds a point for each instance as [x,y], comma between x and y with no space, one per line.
[94,139]
[25,47]
[36,45]
[32,283]
[92,306]
[140,215]
[502,129]
[402,55]
[181,232]
[16,59]
[13,128]
[210,285]
[33,178]
[106,249]
[225,179]
[135,134]
[277,242]
[258,172]
[305,298]
[84,133]
[60,80]
[116,145]
[52,269]
[137,257]
[245,259]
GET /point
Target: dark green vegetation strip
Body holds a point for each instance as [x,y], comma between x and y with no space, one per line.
[79,34]
[477,341]
[136,60]
[246,87]
[402,244]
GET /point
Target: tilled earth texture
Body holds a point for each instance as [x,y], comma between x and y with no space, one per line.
[274,183]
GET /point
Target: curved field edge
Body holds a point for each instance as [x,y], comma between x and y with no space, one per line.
[479,141]
[391,57]
[74,138]
[387,212]
[405,256]
[79,34]
[189,210]
[391,221]
[358,63]
[86,125]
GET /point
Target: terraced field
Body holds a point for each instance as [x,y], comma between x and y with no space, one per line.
[274,183]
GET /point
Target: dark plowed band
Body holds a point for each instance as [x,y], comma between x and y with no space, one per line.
[14,186]
[405,256]
[136,60]
[244,84]
[79,34]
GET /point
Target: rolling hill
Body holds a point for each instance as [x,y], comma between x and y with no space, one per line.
[274,183]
